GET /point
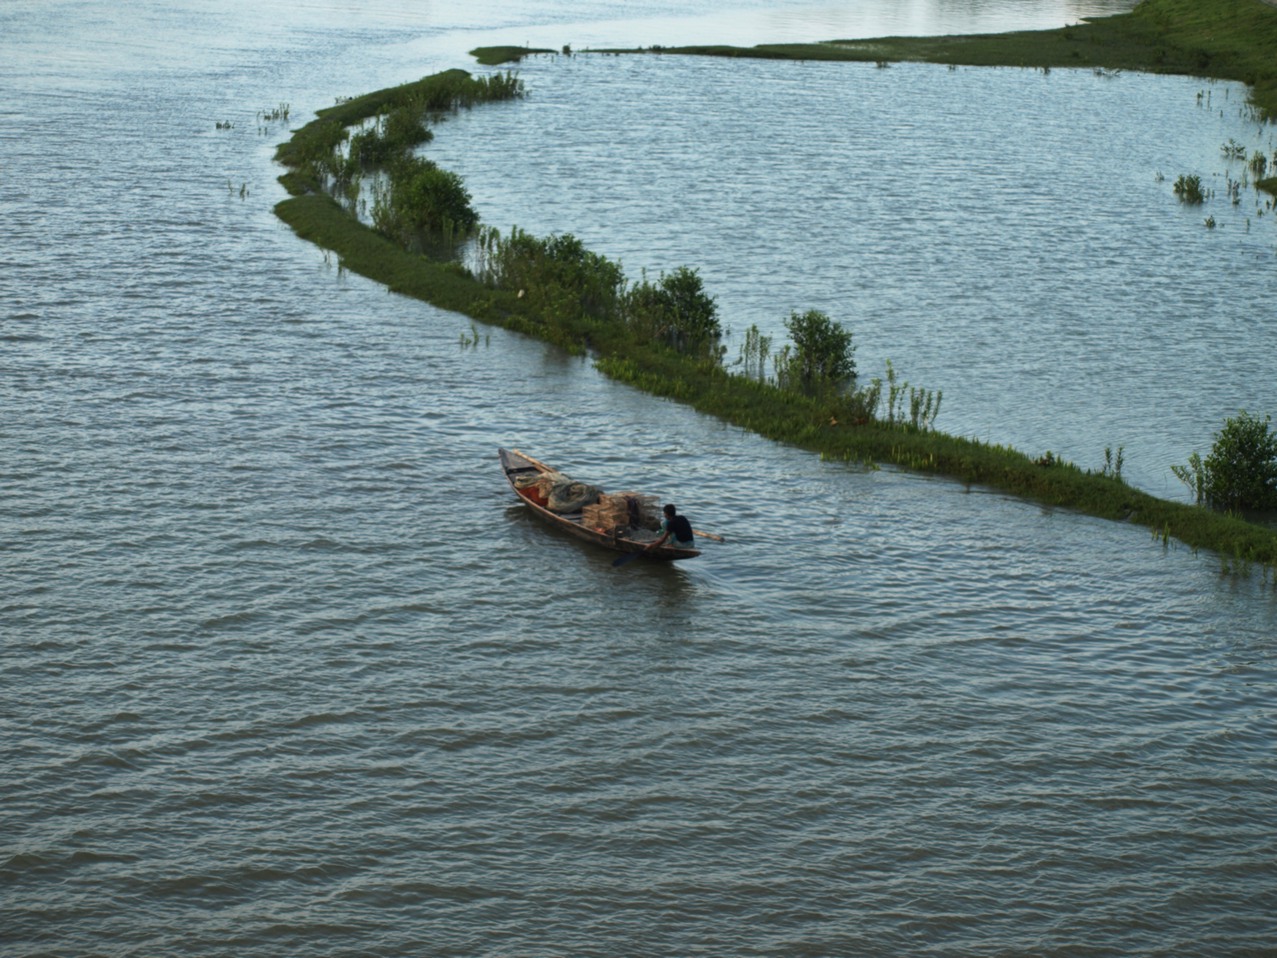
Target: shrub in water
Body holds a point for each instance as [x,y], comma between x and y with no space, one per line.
[822,358]
[1241,470]
[677,311]
[424,199]
[1189,189]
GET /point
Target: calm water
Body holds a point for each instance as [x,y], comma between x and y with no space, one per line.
[286,672]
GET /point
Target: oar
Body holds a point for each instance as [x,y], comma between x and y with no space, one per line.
[708,535]
[622,560]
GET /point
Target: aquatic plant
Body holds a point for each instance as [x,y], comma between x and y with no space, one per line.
[1233,150]
[924,407]
[1188,187]
[472,339]
[314,154]
[271,114]
[754,353]
[493,56]
[923,404]
[1193,476]
[1112,467]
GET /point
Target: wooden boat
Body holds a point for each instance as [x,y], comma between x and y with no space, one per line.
[613,521]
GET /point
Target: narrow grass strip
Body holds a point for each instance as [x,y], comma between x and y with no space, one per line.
[818,424]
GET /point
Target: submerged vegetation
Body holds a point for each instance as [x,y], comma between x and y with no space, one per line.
[1188,187]
[662,335]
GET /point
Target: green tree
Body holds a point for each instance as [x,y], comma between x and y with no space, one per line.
[424,199]
[822,357]
[1241,470]
[677,311]
[559,268]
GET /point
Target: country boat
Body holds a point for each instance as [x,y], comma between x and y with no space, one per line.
[623,521]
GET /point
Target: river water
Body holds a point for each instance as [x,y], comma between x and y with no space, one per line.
[286,671]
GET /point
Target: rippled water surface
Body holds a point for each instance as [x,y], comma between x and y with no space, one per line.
[286,671]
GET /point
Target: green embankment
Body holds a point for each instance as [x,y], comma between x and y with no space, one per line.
[495,56]
[785,416]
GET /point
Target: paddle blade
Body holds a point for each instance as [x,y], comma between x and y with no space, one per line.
[622,560]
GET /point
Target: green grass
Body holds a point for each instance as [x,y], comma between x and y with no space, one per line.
[495,56]
[1223,39]
[833,425]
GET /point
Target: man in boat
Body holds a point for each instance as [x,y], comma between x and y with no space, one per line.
[676,528]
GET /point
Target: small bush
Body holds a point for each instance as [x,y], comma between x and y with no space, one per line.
[1189,189]
[676,311]
[822,358]
[1241,470]
[555,273]
[424,199]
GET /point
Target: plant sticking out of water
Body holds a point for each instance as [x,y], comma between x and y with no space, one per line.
[315,153]
[1193,476]
[1234,190]
[924,407]
[1112,467]
[923,404]
[1258,165]
[1188,187]
[472,339]
[1209,222]
[754,353]
[272,114]
[1233,150]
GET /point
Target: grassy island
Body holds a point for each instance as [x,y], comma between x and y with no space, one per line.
[663,337]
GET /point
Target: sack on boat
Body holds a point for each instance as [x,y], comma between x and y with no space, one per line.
[568,496]
[536,486]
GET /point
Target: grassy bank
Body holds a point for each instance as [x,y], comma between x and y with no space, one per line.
[559,292]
